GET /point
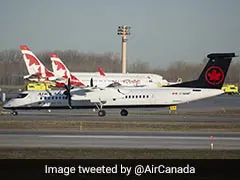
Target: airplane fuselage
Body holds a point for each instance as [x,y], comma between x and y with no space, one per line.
[128,79]
[110,98]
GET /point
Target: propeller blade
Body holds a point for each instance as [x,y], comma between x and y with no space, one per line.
[69,84]
[68,92]
[49,92]
[91,82]
[70,101]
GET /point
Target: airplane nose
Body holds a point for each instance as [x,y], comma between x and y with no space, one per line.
[7,105]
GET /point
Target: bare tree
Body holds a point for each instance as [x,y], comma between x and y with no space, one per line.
[12,66]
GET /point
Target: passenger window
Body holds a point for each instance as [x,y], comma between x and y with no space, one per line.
[147,96]
[48,97]
[143,96]
[129,97]
[126,97]
[140,96]
[132,96]
[136,96]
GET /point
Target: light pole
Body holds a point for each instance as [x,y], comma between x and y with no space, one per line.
[124,31]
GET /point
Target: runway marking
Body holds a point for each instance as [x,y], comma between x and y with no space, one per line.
[137,137]
[121,137]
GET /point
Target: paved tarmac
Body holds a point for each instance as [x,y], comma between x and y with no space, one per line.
[115,116]
[180,140]
[214,103]
[219,103]
[162,140]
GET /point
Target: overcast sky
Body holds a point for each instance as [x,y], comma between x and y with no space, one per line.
[163,31]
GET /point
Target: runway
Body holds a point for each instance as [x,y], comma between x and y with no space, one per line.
[161,140]
[115,116]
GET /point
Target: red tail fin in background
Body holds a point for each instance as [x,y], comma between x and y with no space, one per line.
[101,71]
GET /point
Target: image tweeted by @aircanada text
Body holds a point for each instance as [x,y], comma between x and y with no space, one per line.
[120,169]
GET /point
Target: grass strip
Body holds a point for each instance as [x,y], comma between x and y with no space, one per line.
[102,153]
[119,125]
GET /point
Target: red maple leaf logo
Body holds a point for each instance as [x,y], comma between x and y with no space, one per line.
[59,65]
[48,73]
[39,71]
[214,75]
[32,60]
[65,75]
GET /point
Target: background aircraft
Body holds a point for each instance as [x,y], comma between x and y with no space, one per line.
[61,71]
[38,72]
[102,79]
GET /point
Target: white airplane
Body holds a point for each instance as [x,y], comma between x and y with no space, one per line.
[207,85]
[102,79]
[63,72]
[38,72]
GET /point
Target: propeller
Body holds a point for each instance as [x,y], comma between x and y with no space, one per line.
[91,82]
[48,92]
[68,93]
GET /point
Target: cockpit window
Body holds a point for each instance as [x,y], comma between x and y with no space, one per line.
[22,95]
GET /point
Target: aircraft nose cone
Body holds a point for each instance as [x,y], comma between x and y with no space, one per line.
[7,105]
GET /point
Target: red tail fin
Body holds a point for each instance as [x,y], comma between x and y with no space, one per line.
[101,71]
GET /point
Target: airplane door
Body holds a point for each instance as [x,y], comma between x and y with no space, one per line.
[30,101]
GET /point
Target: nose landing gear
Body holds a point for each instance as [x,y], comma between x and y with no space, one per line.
[14,113]
[101,113]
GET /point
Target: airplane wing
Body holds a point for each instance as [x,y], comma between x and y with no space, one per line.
[29,76]
[34,77]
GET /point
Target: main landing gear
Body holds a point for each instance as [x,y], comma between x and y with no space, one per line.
[124,112]
[102,112]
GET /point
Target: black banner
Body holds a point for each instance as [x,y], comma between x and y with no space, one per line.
[123,169]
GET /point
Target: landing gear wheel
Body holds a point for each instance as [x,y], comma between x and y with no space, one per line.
[14,113]
[124,112]
[101,113]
